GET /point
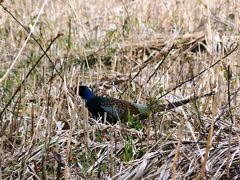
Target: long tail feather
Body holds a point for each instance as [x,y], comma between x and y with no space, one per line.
[169,106]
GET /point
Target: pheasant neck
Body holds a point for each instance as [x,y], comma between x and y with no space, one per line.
[88,94]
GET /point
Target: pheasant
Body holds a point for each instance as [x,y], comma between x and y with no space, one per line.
[118,109]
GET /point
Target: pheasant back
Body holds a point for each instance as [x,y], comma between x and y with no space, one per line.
[116,109]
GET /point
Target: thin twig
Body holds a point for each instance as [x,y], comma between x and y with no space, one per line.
[160,64]
[203,71]
[33,37]
[24,44]
[231,125]
[145,65]
[19,87]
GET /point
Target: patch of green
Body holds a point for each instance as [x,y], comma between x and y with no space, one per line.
[2,72]
[225,72]
[103,167]
[112,36]
[126,26]
[10,82]
[87,159]
[111,51]
[161,90]
[31,60]
[128,149]
[189,57]
[91,44]
[140,153]
[99,136]
[68,40]
[134,122]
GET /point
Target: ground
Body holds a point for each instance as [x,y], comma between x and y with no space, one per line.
[150,52]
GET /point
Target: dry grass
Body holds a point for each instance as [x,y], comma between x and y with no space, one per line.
[139,50]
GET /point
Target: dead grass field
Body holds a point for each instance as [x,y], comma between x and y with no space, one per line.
[148,51]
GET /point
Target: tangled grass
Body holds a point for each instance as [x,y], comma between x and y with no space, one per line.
[151,52]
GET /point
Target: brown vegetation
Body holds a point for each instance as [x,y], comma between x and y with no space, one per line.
[148,51]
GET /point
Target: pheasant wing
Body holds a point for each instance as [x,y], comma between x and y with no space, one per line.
[119,108]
